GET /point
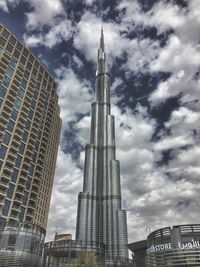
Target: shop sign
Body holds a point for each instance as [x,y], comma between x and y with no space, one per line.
[168,246]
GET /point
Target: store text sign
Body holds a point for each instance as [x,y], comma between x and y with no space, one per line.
[168,246]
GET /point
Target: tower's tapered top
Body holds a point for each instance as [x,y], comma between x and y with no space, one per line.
[101,67]
[102,39]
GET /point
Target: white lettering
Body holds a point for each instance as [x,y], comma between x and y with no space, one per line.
[168,246]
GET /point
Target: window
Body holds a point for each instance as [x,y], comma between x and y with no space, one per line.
[5,33]
[30,115]
[33,104]
[14,114]
[1,163]
[24,198]
[3,150]
[16,54]
[34,72]
[35,94]
[21,93]
[2,91]
[13,63]
[10,190]
[21,148]
[10,126]
[23,84]
[31,169]
[28,183]
[25,52]
[18,103]
[31,58]
[6,207]
[21,214]
[34,157]
[24,136]
[6,81]
[14,175]
[10,72]
[18,161]
[12,40]
[6,138]
[26,75]
[9,48]
[28,125]
[19,46]
[23,60]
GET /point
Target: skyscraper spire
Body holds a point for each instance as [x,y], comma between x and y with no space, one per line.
[101,60]
[100,217]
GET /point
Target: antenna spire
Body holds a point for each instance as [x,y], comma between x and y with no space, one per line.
[102,39]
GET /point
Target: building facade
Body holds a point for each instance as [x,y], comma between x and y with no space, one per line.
[29,133]
[29,136]
[174,246]
[100,216]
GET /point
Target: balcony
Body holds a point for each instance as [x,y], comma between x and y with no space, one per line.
[33,199]
[10,161]
[3,185]
[3,193]
[31,207]
[12,91]
[18,135]
[14,148]
[21,185]
[22,119]
[31,146]
[22,178]
[11,98]
[26,165]
[1,203]
[15,208]
[18,200]
[6,177]
[8,106]
[37,179]
[7,109]
[14,217]
[29,215]
[35,186]
[8,168]
[24,172]
[19,192]
[34,191]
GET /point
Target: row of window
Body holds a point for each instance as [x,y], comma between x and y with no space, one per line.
[37,70]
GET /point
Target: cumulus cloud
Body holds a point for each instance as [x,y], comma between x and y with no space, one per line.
[67,182]
[75,95]
[44,13]
[60,31]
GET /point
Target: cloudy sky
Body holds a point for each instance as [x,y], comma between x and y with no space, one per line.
[153,55]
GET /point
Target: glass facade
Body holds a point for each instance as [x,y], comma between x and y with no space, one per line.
[174,246]
[21,246]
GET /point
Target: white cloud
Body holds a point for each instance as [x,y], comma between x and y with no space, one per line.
[58,32]
[139,52]
[3,5]
[75,95]
[67,182]
[44,13]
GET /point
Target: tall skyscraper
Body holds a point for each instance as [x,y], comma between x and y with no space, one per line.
[100,216]
[29,134]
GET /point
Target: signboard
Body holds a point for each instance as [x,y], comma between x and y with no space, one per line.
[168,246]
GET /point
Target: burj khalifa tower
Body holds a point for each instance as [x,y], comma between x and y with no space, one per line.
[100,217]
